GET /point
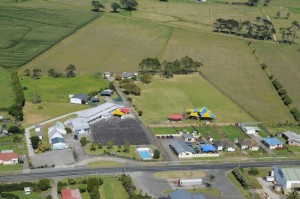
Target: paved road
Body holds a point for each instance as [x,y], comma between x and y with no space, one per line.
[75,171]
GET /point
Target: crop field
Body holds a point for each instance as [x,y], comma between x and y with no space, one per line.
[283,62]
[6,96]
[35,28]
[179,93]
[112,43]
[59,89]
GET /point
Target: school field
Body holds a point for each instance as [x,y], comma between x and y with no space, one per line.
[179,93]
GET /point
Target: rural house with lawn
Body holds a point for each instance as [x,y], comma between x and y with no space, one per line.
[79,99]
[291,138]
[8,157]
[224,144]
[248,144]
[273,143]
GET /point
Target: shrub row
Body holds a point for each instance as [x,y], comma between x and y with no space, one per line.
[240,176]
[295,113]
[9,196]
[282,92]
[15,186]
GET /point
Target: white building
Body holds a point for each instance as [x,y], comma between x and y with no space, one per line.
[79,99]
[250,129]
[287,177]
[182,149]
[58,127]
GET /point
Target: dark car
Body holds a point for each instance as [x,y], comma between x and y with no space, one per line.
[75,137]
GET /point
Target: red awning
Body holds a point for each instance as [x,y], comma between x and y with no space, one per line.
[175,117]
[124,110]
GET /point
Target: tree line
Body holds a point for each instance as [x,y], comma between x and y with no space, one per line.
[16,109]
[36,73]
[184,65]
[128,5]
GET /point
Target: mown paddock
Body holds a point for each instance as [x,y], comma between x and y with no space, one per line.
[36,27]
[6,96]
[112,43]
[185,92]
[283,62]
[230,65]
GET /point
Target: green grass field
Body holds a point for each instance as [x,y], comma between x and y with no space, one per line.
[36,27]
[6,143]
[233,132]
[6,97]
[179,93]
[283,63]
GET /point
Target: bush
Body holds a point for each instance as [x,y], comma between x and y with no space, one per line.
[71,181]
[277,84]
[21,161]
[288,101]
[43,184]
[282,91]
[263,66]
[9,196]
[49,197]
[239,175]
[14,129]
[35,141]
[100,146]
[156,154]
[83,141]
[140,113]
[82,188]
[253,171]
[68,130]
[283,97]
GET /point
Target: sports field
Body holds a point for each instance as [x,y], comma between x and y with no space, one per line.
[6,96]
[167,96]
[283,62]
[31,27]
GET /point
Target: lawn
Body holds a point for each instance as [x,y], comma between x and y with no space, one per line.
[210,131]
[282,128]
[163,130]
[283,62]
[230,65]
[104,164]
[6,143]
[233,132]
[35,113]
[211,192]
[112,43]
[7,96]
[37,27]
[59,89]
[179,93]
[11,169]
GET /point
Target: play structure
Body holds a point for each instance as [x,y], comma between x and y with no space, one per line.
[197,113]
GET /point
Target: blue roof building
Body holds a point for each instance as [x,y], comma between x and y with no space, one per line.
[273,143]
[208,148]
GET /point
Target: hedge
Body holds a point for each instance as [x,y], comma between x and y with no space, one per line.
[240,176]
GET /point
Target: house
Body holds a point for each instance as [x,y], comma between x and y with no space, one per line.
[249,130]
[287,177]
[188,137]
[126,75]
[181,149]
[224,144]
[70,194]
[106,75]
[79,99]
[183,194]
[8,157]
[272,143]
[37,127]
[107,92]
[248,144]
[291,138]
[58,127]
[58,143]
[208,148]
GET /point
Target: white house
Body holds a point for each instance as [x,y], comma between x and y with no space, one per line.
[8,157]
[224,144]
[250,129]
[58,127]
[182,149]
[248,144]
[272,143]
[58,143]
[287,177]
[188,137]
[79,99]
[37,127]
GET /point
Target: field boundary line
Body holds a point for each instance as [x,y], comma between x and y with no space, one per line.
[167,42]
[230,98]
[62,39]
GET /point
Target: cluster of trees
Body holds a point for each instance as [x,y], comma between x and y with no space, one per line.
[16,109]
[93,187]
[16,130]
[130,188]
[128,5]
[296,113]
[282,14]
[129,87]
[40,145]
[156,154]
[37,73]
[255,2]
[262,30]
[253,171]
[288,34]
[240,176]
[282,92]
[184,65]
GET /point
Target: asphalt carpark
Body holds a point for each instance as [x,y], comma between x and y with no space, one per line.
[119,131]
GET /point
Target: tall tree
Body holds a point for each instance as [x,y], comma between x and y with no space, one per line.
[51,72]
[115,7]
[146,78]
[129,4]
[253,2]
[150,64]
[97,5]
[70,70]
[36,73]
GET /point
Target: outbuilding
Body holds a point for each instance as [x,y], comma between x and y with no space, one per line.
[107,92]
[291,138]
[79,99]
[188,137]
[249,130]
[287,177]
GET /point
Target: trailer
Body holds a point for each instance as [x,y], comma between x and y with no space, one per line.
[189,182]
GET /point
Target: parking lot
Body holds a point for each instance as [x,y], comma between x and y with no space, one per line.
[119,131]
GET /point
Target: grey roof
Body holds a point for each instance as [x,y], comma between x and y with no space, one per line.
[59,125]
[292,136]
[107,92]
[37,126]
[224,143]
[103,108]
[247,142]
[290,173]
[181,146]
[81,96]
[106,73]
[40,133]
[187,135]
[249,128]
[53,132]
[126,74]
[182,194]
[57,140]
[79,123]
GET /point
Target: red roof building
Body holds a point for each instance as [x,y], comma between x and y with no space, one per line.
[9,158]
[124,110]
[70,194]
[175,117]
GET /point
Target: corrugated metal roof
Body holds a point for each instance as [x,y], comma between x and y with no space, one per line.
[98,109]
[291,173]
[272,141]
[57,140]
[181,146]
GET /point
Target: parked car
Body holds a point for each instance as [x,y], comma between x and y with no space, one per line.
[75,137]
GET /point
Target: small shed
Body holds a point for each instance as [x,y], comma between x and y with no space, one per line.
[107,92]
